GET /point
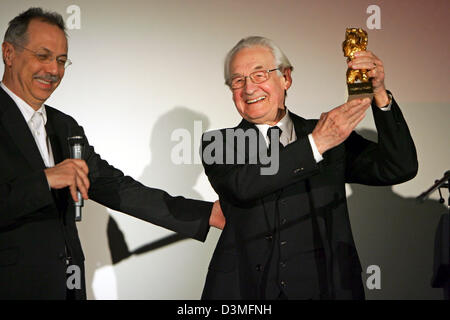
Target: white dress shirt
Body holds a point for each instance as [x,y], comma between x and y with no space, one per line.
[288,134]
[36,121]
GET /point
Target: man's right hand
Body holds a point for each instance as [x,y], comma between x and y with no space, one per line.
[70,173]
[336,125]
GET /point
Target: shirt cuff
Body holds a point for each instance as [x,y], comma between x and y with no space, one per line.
[317,156]
[388,107]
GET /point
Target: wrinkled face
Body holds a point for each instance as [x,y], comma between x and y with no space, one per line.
[27,76]
[263,102]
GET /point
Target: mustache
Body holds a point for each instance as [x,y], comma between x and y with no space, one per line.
[47,77]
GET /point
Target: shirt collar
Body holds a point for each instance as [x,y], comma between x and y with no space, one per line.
[26,110]
[285,124]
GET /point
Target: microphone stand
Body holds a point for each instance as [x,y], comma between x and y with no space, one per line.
[444,182]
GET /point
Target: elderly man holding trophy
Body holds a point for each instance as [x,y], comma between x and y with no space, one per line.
[288,234]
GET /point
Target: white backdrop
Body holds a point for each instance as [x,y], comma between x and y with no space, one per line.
[142,69]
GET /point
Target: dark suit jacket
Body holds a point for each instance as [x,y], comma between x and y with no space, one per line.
[37,224]
[290,231]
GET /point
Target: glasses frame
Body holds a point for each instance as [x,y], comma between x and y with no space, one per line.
[48,60]
[250,76]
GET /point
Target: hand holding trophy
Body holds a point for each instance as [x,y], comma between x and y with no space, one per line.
[358,83]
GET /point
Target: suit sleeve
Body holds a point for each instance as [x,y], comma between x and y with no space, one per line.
[244,183]
[391,161]
[111,188]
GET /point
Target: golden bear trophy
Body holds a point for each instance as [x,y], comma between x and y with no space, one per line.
[358,82]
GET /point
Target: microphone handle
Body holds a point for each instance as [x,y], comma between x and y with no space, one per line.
[78,205]
[77,154]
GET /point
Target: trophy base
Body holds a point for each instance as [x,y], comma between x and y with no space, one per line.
[360,90]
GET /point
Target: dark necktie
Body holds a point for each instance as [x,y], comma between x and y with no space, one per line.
[274,134]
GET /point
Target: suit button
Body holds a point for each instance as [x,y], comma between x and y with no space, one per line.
[283,243]
[268,237]
[282,264]
[283,221]
[283,283]
[298,170]
[63,258]
[259,267]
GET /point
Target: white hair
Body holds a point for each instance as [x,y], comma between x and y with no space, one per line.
[281,61]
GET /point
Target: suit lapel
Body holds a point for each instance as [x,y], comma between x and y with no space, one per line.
[269,202]
[304,128]
[300,125]
[56,140]
[245,125]
[57,134]
[15,125]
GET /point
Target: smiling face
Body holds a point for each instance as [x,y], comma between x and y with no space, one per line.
[263,102]
[30,79]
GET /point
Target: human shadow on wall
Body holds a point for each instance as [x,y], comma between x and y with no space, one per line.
[397,234]
[119,249]
[163,173]
[92,230]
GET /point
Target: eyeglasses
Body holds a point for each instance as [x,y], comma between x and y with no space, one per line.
[46,57]
[257,77]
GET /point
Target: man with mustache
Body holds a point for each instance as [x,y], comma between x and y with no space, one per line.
[288,234]
[38,181]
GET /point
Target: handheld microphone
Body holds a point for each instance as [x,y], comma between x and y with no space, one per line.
[76,147]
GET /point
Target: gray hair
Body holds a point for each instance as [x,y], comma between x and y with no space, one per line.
[281,59]
[17,29]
